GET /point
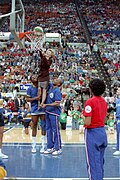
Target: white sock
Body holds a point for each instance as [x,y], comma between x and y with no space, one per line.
[33,141]
[0,150]
[43,138]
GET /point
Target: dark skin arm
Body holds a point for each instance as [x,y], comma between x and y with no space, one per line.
[52,104]
[87,120]
[29,99]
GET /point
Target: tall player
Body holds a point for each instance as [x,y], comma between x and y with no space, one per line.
[33,98]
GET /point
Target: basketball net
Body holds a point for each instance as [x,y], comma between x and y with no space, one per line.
[37,40]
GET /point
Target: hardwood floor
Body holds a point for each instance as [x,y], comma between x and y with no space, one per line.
[17,135]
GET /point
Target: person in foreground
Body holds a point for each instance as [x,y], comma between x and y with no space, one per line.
[95,111]
[117,152]
[53,111]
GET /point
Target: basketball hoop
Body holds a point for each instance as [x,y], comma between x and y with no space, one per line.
[36,38]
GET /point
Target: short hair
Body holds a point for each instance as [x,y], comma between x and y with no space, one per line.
[60,81]
[32,76]
[97,86]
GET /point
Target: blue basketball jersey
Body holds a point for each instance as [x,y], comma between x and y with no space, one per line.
[54,95]
[33,92]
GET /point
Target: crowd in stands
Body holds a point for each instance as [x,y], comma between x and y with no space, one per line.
[74,65]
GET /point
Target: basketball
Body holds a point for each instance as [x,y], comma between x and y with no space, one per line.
[38,30]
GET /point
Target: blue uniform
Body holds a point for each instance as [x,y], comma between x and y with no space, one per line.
[33,92]
[52,119]
[118,123]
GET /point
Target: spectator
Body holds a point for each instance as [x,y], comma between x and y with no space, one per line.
[8,114]
[75,114]
[71,94]
[81,124]
[63,119]
[17,103]
[21,113]
[67,105]
[111,124]
[10,104]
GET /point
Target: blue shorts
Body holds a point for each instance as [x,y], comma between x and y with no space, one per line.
[36,112]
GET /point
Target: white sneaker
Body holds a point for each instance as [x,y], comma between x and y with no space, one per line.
[9,123]
[33,150]
[42,150]
[55,153]
[116,153]
[3,156]
[49,151]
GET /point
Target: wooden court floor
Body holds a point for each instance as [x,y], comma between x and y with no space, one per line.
[16,134]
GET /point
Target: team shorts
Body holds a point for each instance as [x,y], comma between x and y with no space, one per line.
[43,85]
[38,112]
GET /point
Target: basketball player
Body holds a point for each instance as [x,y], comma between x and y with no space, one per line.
[117,152]
[33,98]
[95,112]
[53,111]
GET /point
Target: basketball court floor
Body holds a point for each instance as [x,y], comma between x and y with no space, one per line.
[70,165]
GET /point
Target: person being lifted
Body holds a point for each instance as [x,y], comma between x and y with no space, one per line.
[43,74]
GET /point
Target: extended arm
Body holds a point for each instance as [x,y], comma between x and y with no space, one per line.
[52,104]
